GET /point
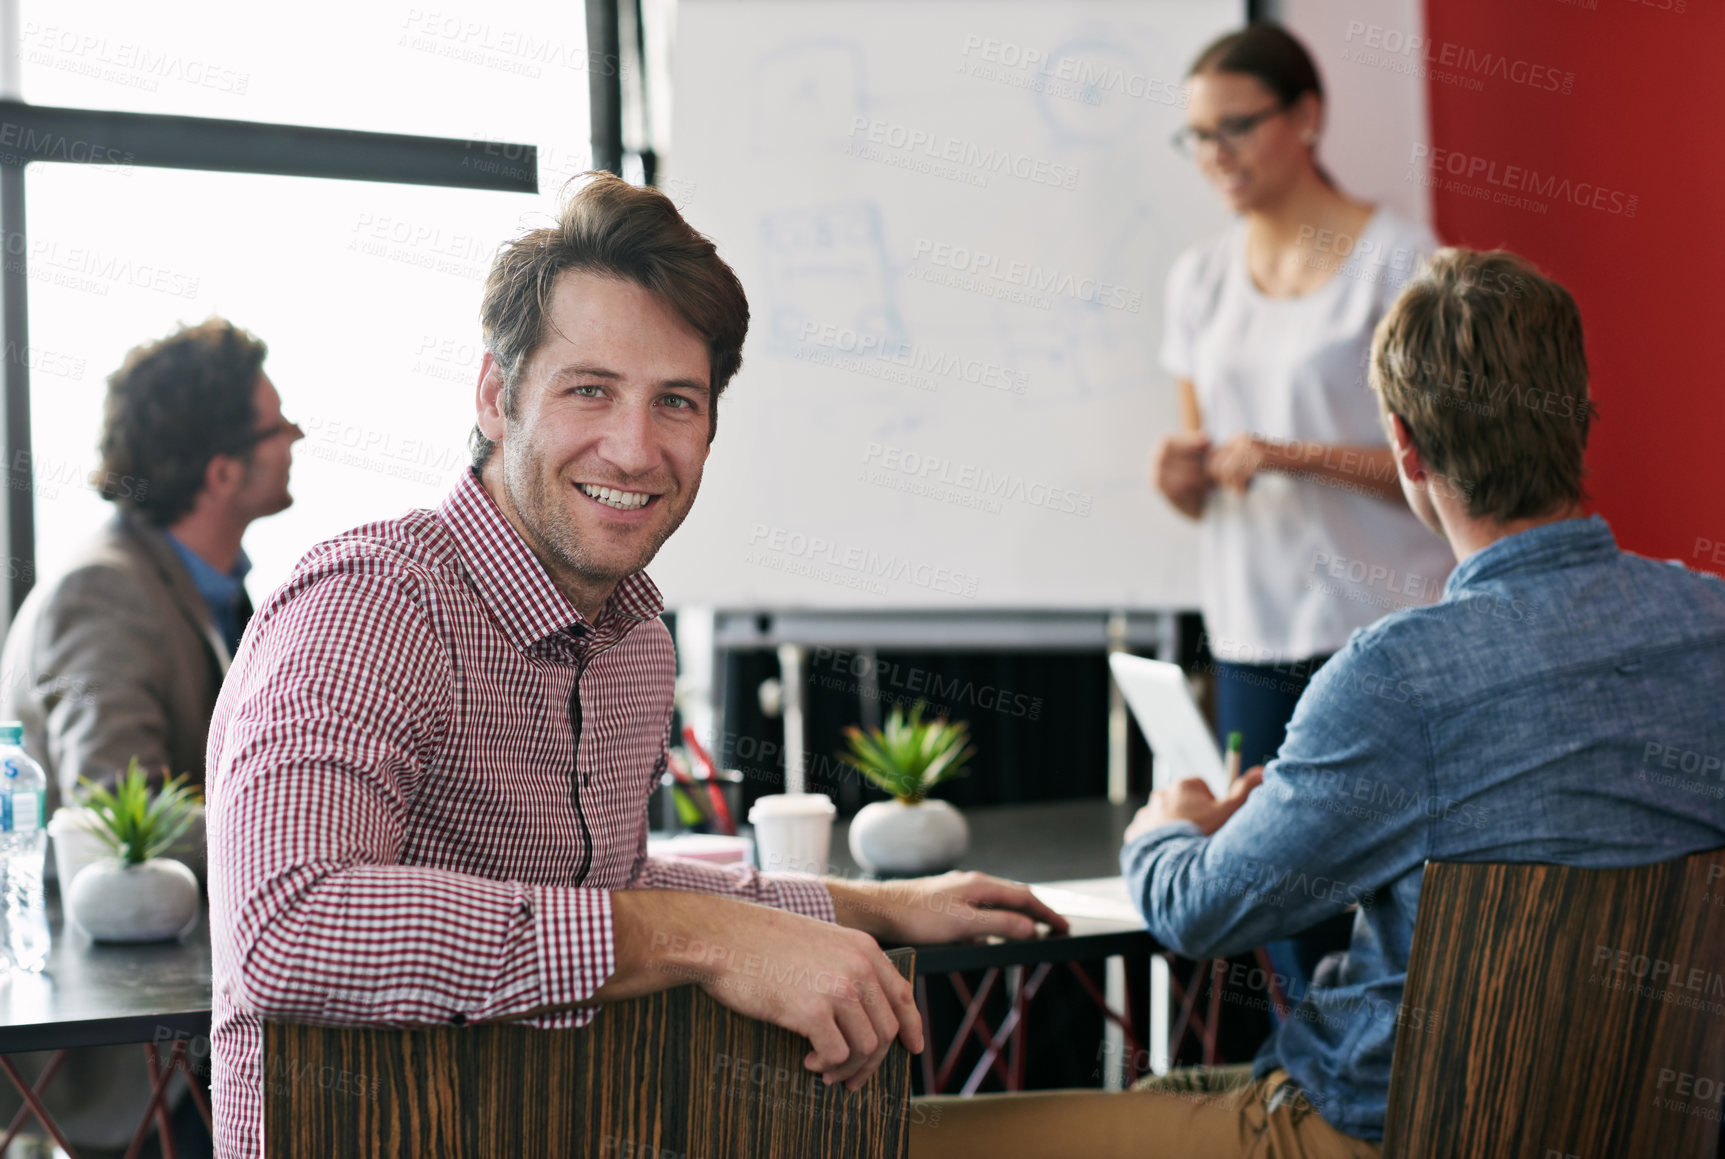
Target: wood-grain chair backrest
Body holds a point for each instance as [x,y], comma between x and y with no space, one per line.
[673,1075]
[1563,1012]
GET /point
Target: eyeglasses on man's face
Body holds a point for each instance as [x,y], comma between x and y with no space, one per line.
[282,426]
[1229,134]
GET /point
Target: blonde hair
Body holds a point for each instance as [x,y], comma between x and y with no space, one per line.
[1482,358]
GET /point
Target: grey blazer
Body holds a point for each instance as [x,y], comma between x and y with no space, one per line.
[117,656]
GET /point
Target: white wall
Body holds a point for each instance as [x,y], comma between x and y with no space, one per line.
[1377,102]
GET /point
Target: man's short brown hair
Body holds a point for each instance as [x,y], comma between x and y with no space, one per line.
[172,407]
[1482,357]
[608,226]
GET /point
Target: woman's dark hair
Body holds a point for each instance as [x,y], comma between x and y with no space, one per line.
[1269,54]
[172,407]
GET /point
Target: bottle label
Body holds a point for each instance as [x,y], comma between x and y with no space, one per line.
[20,812]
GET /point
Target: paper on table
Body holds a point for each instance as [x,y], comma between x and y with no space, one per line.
[717,848]
[1103,898]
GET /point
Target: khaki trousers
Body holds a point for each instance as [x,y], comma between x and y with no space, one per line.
[1196,1113]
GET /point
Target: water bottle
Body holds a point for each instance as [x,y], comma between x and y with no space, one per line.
[23,849]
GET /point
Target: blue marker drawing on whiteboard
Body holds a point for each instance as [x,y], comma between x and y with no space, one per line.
[1094,89]
[1045,350]
[827,281]
[805,96]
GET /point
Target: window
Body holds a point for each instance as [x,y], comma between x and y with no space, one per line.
[367,293]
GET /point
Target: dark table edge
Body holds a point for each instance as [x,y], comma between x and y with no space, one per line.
[167,1026]
[161,1027]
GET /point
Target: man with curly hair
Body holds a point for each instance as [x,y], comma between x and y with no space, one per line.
[122,653]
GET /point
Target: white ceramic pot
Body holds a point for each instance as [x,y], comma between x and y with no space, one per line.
[891,837]
[134,903]
[76,844]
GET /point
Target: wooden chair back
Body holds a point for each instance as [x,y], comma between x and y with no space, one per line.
[1563,1012]
[672,1075]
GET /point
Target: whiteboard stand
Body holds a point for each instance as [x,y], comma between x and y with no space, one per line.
[700,679]
[1161,993]
[1118,721]
[1114,970]
[791,677]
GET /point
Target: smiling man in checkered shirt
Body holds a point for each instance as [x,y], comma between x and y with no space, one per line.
[429,765]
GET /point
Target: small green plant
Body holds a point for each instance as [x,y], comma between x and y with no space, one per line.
[136,823]
[908,757]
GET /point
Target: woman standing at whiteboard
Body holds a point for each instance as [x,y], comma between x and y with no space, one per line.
[1304,532]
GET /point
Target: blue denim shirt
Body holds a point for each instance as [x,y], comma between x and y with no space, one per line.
[1564,702]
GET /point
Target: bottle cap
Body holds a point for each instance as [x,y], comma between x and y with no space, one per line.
[11,732]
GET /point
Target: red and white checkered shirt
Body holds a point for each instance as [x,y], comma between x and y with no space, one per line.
[403,828]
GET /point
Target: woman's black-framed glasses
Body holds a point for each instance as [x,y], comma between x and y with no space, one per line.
[1229,133]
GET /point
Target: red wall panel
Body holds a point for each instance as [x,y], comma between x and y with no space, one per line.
[1591,139]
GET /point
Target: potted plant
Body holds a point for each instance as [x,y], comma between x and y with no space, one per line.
[910,834]
[136,895]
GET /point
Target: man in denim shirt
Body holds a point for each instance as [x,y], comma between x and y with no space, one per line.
[1564,702]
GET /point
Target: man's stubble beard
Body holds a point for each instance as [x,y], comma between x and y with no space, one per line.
[538,500]
[277,503]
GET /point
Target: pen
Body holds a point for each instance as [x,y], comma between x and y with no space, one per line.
[688,805]
[1235,740]
[688,813]
[721,813]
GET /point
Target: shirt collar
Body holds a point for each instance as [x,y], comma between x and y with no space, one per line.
[219,589]
[1565,543]
[515,585]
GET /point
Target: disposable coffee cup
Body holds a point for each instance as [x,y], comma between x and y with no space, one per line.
[793,832]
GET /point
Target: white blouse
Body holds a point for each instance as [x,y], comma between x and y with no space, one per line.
[1294,565]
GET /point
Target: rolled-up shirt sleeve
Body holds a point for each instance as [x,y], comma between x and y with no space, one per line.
[784,890]
[1340,813]
[797,892]
[789,891]
[317,919]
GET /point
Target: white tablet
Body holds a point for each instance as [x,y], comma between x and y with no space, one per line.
[1161,701]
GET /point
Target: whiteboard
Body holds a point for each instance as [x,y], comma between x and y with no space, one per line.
[954,221]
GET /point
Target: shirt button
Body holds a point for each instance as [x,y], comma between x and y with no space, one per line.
[458,1019]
